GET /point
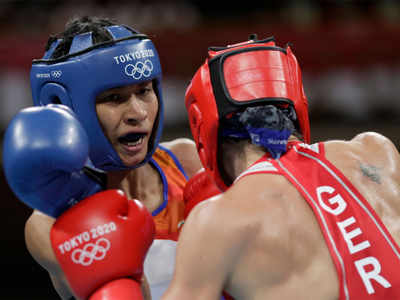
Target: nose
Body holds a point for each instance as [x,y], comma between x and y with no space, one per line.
[135,111]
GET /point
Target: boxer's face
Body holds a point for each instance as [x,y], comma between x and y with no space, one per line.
[127,115]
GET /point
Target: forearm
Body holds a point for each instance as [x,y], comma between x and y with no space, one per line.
[37,240]
[61,287]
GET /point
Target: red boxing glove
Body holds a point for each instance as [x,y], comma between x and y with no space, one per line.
[119,289]
[199,188]
[103,238]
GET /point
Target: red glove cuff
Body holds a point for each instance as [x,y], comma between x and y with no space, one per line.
[121,289]
[199,188]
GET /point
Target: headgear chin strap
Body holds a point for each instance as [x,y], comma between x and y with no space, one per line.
[253,73]
[78,77]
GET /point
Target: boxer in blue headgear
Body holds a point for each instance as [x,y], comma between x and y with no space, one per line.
[97,96]
[77,77]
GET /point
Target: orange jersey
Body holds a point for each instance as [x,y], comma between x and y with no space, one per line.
[169,216]
[160,260]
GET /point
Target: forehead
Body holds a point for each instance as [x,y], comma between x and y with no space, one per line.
[129,87]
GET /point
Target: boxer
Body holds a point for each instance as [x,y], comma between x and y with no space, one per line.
[297,220]
[96,126]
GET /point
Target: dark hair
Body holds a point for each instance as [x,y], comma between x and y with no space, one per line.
[77,26]
[262,116]
[279,117]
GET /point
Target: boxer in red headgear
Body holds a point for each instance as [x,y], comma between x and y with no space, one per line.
[296,220]
[224,84]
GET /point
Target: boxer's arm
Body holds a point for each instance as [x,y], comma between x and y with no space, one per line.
[37,237]
[100,244]
[206,253]
[37,240]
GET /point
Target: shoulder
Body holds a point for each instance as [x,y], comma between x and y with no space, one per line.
[364,139]
[211,220]
[180,145]
[204,255]
[371,144]
[252,214]
[186,152]
[246,202]
[255,194]
[372,139]
[381,149]
[211,223]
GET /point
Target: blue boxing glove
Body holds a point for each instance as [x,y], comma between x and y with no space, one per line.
[44,152]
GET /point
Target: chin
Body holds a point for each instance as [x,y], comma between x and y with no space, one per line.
[133,161]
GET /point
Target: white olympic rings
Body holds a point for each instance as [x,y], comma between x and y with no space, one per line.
[91,252]
[139,69]
[56,73]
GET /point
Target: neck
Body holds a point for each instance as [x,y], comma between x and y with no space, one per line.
[241,155]
[143,183]
[235,162]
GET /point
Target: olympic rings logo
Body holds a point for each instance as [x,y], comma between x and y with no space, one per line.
[91,252]
[139,69]
[56,73]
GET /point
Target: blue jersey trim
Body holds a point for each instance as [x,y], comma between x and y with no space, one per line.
[165,188]
[177,162]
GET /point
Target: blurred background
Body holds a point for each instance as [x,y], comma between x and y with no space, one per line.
[349,52]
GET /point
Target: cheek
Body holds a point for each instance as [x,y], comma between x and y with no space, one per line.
[101,115]
[153,110]
[105,119]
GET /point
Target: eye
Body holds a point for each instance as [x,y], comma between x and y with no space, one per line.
[144,88]
[144,91]
[113,98]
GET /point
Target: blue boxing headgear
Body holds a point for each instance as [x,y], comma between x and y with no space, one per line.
[78,77]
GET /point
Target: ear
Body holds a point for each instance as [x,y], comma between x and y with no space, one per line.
[54,93]
[196,120]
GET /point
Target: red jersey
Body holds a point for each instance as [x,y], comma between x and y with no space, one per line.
[366,257]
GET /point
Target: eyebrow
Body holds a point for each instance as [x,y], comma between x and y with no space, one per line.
[122,88]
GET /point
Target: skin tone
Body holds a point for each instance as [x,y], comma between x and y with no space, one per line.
[122,112]
[263,240]
[128,110]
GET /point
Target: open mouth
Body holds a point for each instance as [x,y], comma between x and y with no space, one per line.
[132,139]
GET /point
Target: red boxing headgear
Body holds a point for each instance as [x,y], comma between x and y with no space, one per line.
[246,74]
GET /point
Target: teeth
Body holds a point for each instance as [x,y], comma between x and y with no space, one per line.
[131,144]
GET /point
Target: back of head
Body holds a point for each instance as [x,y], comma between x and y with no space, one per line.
[93,55]
[251,90]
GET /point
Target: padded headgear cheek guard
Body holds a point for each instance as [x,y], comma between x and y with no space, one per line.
[77,78]
[234,77]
